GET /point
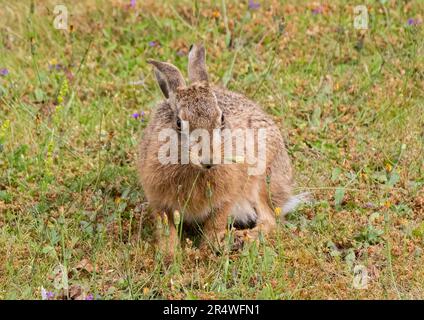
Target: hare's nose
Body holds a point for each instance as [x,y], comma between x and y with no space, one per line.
[207,165]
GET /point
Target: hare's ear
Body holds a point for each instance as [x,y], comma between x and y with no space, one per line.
[168,77]
[162,83]
[197,64]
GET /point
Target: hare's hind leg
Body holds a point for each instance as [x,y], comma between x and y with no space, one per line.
[281,183]
[263,226]
[265,219]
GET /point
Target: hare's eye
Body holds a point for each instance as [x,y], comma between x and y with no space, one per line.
[178,123]
[222,119]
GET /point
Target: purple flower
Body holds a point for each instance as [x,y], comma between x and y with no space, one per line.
[413,22]
[46,295]
[89,297]
[132,3]
[137,115]
[254,5]
[56,66]
[4,72]
[317,10]
[152,43]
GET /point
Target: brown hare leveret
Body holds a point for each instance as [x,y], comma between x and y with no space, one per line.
[203,191]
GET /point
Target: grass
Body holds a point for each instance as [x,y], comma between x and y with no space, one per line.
[73,219]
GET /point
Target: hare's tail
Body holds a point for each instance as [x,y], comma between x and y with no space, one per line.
[294,201]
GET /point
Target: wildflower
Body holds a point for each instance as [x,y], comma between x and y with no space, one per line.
[146,291]
[177,217]
[54,65]
[46,295]
[254,5]
[43,293]
[4,128]
[216,14]
[165,224]
[413,22]
[69,75]
[277,211]
[89,297]
[137,115]
[317,10]
[132,3]
[63,92]
[159,221]
[152,44]
[388,167]
[165,219]
[4,72]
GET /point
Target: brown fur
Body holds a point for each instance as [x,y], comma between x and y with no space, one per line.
[209,196]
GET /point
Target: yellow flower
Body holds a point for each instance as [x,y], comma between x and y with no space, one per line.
[216,14]
[4,127]
[389,167]
[146,291]
[277,211]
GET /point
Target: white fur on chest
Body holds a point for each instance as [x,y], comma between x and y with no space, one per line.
[243,212]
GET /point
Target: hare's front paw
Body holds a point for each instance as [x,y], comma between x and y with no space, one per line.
[243,236]
[232,240]
[214,241]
